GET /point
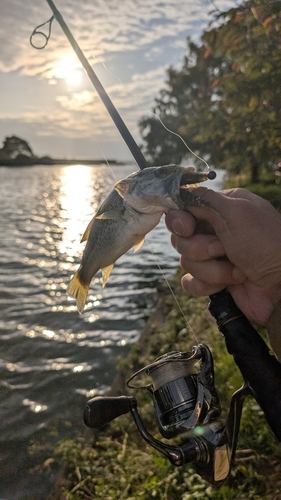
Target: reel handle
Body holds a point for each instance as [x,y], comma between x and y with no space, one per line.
[101,410]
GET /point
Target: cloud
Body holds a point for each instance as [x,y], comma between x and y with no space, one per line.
[136,39]
[101,27]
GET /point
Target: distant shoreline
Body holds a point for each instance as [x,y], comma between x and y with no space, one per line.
[45,161]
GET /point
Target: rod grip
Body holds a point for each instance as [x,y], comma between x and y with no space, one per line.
[259,368]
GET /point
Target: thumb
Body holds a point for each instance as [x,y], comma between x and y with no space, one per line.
[224,209]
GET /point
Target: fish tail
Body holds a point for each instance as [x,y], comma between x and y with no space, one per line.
[78,291]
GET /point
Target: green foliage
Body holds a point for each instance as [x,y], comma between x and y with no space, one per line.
[225,101]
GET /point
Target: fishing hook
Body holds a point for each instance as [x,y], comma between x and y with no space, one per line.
[36,31]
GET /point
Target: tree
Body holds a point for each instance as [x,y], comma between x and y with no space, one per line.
[13,147]
[226,100]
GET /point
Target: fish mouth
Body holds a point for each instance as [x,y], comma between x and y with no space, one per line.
[192,177]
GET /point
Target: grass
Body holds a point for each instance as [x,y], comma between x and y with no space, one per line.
[115,463]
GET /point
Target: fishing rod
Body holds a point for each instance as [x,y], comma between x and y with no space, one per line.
[182,384]
[118,121]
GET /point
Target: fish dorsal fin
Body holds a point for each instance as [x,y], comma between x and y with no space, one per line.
[112,214]
[138,244]
[106,273]
[86,234]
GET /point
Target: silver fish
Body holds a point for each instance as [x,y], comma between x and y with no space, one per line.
[132,209]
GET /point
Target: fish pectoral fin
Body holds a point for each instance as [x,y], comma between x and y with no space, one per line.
[86,234]
[112,214]
[139,243]
[106,273]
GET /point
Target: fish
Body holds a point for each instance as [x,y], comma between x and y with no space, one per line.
[131,210]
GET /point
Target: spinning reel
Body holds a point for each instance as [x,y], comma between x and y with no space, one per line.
[186,402]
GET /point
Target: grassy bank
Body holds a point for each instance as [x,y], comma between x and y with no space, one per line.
[115,463]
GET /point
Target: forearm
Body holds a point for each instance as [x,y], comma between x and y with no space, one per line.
[274,330]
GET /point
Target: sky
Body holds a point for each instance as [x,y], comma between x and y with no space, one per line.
[48,99]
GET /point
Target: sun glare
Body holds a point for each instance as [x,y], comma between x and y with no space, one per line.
[76,197]
[69,69]
[74,78]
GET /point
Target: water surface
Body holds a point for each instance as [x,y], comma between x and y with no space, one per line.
[51,358]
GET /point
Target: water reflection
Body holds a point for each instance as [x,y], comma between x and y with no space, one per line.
[76,199]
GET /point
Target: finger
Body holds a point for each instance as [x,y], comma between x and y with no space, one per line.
[215,272]
[197,287]
[180,222]
[198,247]
[226,207]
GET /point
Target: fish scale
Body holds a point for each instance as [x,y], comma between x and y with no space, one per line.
[130,211]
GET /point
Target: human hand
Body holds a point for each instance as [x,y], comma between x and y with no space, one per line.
[239,248]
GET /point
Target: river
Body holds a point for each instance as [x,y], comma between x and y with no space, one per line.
[51,358]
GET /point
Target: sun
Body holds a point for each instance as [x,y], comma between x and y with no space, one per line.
[68,68]
[74,78]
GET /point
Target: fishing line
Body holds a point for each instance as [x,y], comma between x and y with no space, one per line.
[119,123]
[107,163]
[154,114]
[188,324]
[180,137]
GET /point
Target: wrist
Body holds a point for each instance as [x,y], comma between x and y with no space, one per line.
[273,328]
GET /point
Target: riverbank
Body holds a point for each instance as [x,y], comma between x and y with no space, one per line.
[25,161]
[115,463]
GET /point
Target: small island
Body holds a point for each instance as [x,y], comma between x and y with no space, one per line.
[16,152]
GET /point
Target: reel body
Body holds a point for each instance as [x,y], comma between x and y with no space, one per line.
[183,390]
[186,404]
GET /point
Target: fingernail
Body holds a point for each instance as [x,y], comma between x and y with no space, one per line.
[177,227]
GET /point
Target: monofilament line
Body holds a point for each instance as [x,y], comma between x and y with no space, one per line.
[196,156]
[188,324]
[154,114]
[107,162]
[180,137]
